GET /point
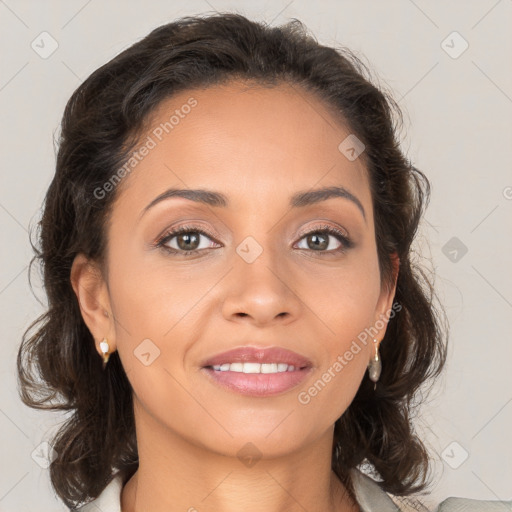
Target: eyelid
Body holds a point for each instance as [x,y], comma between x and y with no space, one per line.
[323,226]
[176,230]
[337,232]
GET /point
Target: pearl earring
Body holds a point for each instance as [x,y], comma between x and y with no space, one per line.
[105,348]
[375,366]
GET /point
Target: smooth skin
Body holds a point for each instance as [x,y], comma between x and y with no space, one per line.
[258,146]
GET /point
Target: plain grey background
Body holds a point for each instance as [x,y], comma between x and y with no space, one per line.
[448,64]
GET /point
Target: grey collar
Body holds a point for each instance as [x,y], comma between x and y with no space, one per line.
[370,497]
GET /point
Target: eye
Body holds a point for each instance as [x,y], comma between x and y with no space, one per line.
[187,240]
[317,240]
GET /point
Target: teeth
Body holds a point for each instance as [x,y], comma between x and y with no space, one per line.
[269,368]
[254,367]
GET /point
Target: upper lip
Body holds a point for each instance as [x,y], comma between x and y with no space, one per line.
[259,355]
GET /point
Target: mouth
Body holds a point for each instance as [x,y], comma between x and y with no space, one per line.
[265,357]
[254,367]
[257,372]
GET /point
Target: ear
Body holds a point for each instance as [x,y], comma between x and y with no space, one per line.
[384,310]
[93,298]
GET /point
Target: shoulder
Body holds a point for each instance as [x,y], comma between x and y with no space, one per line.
[371,498]
[467,505]
[108,501]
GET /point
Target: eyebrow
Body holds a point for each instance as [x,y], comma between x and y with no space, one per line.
[217,199]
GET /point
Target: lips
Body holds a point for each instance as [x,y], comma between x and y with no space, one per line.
[259,355]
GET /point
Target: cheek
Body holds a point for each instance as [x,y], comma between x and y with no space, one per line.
[159,314]
[345,303]
[344,298]
[149,293]
[345,355]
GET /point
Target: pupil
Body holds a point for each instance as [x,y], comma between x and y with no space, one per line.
[323,245]
[187,238]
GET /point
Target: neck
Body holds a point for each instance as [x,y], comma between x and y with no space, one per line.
[177,475]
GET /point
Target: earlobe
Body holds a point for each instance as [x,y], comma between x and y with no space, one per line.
[93,299]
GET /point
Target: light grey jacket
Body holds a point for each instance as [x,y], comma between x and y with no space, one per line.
[370,497]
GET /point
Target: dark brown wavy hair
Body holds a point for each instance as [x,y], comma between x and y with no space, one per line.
[58,366]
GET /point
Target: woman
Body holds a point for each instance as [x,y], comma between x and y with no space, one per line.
[235,319]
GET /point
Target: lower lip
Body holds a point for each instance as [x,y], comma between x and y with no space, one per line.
[258,384]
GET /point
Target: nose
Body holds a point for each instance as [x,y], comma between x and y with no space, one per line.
[261,292]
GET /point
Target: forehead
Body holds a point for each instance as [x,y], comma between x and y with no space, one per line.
[254,143]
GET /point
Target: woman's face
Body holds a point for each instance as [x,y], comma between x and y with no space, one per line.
[257,279]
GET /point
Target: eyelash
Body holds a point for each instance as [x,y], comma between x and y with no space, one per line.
[166,237]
